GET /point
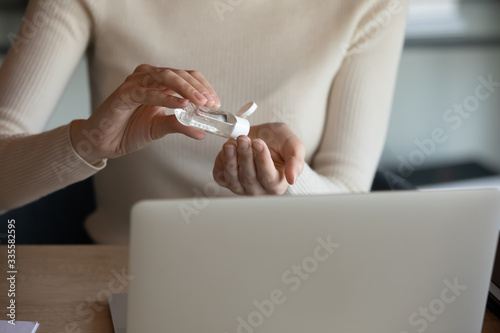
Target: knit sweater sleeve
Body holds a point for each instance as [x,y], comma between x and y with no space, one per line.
[51,41]
[359,105]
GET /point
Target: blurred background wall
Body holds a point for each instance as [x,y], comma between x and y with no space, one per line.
[449,46]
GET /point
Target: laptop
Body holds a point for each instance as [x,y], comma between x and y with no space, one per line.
[493,303]
[394,262]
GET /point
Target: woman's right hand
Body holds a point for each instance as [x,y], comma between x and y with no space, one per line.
[134,114]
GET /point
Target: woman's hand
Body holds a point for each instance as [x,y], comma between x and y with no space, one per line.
[134,114]
[265,162]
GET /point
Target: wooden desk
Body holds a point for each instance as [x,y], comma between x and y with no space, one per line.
[61,287]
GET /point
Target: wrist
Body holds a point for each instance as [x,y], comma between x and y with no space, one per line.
[82,145]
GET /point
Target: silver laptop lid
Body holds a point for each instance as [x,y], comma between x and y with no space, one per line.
[386,262]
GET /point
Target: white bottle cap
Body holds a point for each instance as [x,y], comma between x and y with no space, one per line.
[242,127]
[247,109]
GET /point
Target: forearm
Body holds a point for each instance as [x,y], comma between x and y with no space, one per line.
[33,166]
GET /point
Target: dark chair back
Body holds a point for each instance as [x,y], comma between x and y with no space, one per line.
[389,181]
[54,219]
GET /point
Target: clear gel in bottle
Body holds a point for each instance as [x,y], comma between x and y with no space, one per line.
[217,122]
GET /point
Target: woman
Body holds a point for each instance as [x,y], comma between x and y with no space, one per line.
[321,72]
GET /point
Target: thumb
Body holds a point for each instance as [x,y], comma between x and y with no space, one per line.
[294,155]
[163,125]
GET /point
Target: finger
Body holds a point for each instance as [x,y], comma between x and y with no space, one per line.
[268,176]
[194,77]
[144,68]
[159,98]
[229,159]
[201,78]
[129,96]
[218,171]
[162,125]
[246,167]
[199,86]
[167,80]
[294,156]
[152,77]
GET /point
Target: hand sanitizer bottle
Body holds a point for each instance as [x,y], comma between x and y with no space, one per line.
[217,122]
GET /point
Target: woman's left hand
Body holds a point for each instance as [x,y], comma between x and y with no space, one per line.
[265,162]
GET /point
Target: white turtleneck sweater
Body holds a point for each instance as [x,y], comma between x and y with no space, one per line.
[327,68]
